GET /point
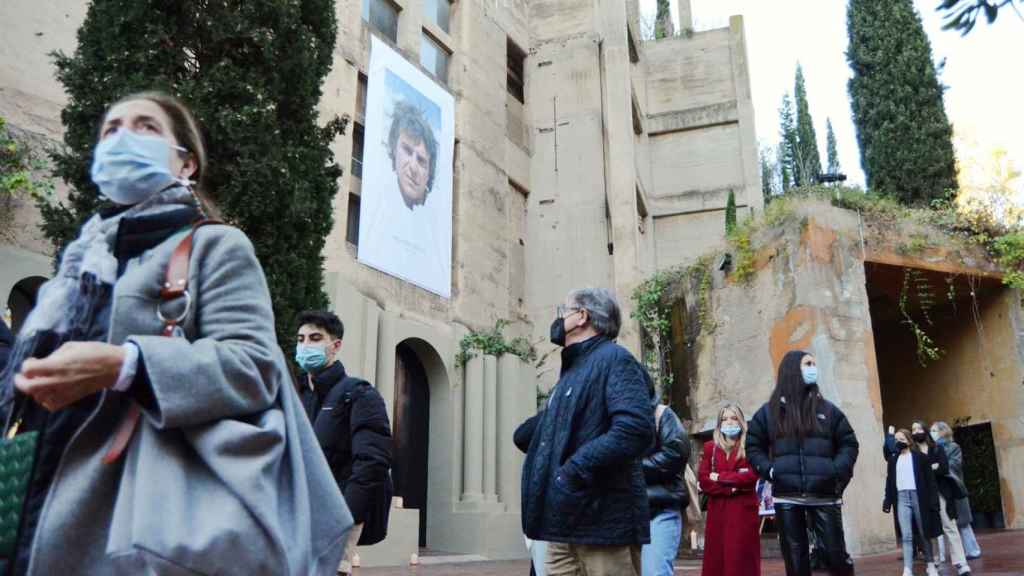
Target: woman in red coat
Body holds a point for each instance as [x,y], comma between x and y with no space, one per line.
[732,545]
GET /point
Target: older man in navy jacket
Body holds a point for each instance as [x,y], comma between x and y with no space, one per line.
[583,483]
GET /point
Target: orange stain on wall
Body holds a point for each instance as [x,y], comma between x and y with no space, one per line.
[793,331]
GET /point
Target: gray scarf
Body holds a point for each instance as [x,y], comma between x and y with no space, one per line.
[80,290]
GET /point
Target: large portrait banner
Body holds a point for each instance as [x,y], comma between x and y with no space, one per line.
[405,211]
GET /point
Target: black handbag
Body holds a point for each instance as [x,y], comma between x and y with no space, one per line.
[17,462]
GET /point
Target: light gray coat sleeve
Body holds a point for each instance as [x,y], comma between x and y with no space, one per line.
[229,368]
[956,460]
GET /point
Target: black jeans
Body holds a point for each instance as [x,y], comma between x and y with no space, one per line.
[827,522]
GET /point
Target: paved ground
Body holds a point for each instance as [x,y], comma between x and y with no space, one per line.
[1003,556]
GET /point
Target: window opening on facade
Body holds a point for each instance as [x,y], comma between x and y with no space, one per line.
[382,15]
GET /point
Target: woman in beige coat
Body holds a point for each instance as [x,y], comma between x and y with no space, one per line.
[171,442]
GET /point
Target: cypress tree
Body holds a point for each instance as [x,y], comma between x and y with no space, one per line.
[808,162]
[904,136]
[663,27]
[252,73]
[833,152]
[780,168]
[730,213]
[789,146]
[767,176]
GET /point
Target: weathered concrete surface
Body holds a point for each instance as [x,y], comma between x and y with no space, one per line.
[700,137]
[809,292]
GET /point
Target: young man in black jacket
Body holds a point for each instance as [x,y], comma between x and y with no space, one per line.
[351,423]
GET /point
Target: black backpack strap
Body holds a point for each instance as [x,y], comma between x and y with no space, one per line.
[352,389]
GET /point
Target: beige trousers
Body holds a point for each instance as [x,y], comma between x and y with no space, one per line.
[587,560]
[350,549]
[949,528]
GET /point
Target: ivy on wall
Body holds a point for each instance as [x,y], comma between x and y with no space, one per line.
[914,281]
[492,342]
[653,301]
[22,177]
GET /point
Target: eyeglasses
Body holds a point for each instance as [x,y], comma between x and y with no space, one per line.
[564,310]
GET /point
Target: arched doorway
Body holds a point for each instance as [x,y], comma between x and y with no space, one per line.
[22,299]
[411,431]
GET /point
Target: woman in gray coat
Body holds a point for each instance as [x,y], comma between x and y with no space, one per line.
[171,441]
[943,436]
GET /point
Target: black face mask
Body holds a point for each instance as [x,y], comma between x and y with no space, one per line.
[919,437]
[900,446]
[558,332]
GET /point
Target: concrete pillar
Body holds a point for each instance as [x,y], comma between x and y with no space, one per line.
[685,15]
[385,372]
[751,195]
[490,435]
[473,435]
[517,392]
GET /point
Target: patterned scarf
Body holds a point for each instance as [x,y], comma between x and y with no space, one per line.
[68,306]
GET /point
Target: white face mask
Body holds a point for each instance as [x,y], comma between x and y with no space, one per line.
[130,167]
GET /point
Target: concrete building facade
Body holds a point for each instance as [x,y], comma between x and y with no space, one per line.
[584,156]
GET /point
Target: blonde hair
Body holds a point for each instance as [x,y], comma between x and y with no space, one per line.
[720,440]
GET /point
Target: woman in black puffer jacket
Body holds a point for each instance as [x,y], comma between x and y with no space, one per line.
[666,492]
[805,446]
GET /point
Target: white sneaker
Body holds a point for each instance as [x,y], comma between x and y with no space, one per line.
[962,569]
[908,572]
[931,570]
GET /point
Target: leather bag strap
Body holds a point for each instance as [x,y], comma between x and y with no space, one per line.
[175,286]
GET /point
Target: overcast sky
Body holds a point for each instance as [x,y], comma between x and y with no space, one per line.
[983,70]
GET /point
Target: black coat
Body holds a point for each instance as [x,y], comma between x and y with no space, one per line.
[352,426]
[664,464]
[947,485]
[818,465]
[582,479]
[927,492]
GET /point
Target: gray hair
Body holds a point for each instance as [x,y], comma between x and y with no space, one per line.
[944,429]
[603,308]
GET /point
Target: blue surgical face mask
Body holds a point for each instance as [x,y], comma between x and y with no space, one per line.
[810,374]
[310,358]
[731,430]
[130,167]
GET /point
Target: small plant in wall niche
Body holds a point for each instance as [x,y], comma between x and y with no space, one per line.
[493,343]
